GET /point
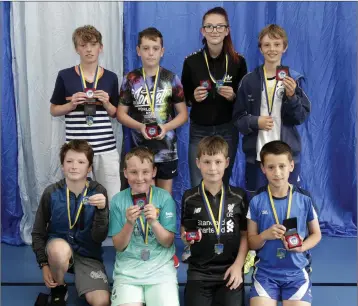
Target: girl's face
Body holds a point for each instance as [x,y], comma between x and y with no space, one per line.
[214,29]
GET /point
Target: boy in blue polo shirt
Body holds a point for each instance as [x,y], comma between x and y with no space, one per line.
[282,263]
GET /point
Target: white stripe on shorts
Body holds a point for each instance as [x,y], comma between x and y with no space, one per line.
[302,290]
[259,289]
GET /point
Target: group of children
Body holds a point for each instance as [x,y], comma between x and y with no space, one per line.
[219,222]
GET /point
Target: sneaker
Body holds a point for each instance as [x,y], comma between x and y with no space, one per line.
[176,261]
[59,296]
[186,254]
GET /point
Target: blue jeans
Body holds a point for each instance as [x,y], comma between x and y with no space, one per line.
[255,178]
[197,133]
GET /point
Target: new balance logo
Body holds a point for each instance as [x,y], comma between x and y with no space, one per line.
[264,212]
[197,210]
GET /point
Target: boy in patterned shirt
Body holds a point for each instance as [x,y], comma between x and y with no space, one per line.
[149,98]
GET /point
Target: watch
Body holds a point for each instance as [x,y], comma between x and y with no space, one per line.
[43,264]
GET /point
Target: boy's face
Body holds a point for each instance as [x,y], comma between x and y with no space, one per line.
[272,49]
[212,167]
[88,51]
[150,52]
[139,174]
[75,166]
[215,38]
[277,169]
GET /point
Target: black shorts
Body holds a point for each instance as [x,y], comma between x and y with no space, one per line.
[212,293]
[167,170]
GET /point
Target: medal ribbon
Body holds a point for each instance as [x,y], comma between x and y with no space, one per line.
[207,65]
[83,194]
[217,225]
[273,204]
[83,81]
[150,98]
[270,93]
[144,225]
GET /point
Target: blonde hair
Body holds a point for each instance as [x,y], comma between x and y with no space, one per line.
[274,32]
[143,153]
[212,145]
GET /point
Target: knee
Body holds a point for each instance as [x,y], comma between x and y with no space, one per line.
[98,298]
[59,251]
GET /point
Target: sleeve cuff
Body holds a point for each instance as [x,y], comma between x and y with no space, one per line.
[254,122]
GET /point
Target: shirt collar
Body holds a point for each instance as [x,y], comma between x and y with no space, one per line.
[221,56]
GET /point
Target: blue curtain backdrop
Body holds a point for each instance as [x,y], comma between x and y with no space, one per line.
[322,46]
[11,210]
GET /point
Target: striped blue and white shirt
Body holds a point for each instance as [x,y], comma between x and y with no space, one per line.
[100,133]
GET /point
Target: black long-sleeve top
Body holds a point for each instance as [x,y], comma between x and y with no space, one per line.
[215,109]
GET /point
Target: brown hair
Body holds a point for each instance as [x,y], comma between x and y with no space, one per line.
[150,33]
[228,45]
[80,146]
[87,34]
[211,145]
[274,32]
[276,147]
[143,153]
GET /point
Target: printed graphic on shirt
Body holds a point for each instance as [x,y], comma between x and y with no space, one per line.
[206,227]
[169,91]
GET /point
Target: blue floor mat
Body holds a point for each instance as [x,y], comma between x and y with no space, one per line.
[322,296]
[334,262]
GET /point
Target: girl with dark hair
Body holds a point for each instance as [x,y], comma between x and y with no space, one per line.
[210,80]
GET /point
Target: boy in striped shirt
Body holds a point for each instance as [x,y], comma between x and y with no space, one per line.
[87,95]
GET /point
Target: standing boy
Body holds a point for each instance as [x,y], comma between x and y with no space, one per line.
[278,218]
[218,214]
[149,98]
[268,109]
[87,95]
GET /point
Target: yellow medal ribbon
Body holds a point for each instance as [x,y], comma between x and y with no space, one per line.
[145,225]
[150,98]
[226,67]
[217,225]
[79,209]
[273,204]
[96,78]
[270,92]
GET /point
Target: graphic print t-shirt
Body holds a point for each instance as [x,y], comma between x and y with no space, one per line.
[169,92]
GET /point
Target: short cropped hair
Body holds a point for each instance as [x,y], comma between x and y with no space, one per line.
[143,153]
[87,34]
[276,147]
[150,33]
[211,145]
[274,32]
[80,146]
